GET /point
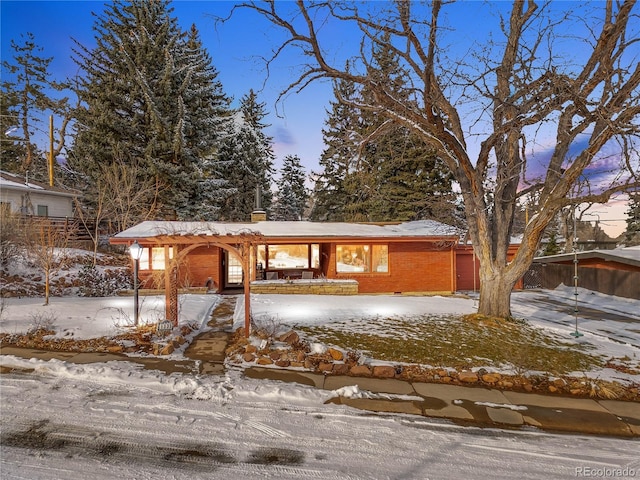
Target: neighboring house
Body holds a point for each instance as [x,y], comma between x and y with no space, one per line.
[26,197]
[614,272]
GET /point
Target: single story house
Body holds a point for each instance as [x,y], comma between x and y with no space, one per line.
[21,195]
[614,272]
[412,257]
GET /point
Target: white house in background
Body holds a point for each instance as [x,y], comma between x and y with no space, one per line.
[24,196]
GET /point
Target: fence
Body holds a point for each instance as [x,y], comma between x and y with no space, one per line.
[620,283]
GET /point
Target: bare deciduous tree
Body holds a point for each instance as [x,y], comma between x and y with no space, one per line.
[47,244]
[120,196]
[485,106]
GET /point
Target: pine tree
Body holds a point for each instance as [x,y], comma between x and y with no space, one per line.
[632,234]
[247,161]
[151,100]
[375,170]
[292,193]
[27,88]
[329,193]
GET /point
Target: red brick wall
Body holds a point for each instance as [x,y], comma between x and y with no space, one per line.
[413,267]
[201,264]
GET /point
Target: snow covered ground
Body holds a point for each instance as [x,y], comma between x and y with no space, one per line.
[116,420]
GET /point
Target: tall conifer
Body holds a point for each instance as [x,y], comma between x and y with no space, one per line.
[292,193]
[247,159]
[151,99]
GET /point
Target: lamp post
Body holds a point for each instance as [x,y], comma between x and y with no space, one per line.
[135,250]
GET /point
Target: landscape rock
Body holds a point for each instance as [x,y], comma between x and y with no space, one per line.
[325,366]
[360,371]
[248,357]
[340,369]
[468,377]
[291,337]
[384,371]
[491,378]
[335,354]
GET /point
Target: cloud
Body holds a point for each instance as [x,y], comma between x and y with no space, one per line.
[284,136]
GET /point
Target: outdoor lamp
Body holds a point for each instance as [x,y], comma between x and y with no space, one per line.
[135,250]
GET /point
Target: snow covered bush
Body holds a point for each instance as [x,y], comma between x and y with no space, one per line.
[95,282]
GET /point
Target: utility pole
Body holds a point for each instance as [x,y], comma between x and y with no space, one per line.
[51,150]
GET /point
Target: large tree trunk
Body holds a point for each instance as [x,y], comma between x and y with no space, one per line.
[495,293]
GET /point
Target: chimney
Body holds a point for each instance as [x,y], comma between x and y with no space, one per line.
[258,214]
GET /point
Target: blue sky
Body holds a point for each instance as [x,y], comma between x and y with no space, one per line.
[234,48]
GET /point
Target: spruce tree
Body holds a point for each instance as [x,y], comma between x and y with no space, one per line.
[27,96]
[632,234]
[247,161]
[292,193]
[374,169]
[151,100]
[329,194]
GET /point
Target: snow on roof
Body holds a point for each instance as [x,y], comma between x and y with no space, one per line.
[627,255]
[422,228]
[17,182]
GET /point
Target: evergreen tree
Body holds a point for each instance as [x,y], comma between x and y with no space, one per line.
[247,161]
[632,234]
[26,97]
[375,170]
[329,193]
[292,193]
[151,100]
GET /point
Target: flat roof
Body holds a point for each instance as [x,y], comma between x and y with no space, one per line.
[291,229]
[626,255]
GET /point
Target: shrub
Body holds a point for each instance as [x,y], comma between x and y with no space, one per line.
[94,282]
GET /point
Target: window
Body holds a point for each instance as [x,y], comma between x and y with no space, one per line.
[43,211]
[153,258]
[288,256]
[362,258]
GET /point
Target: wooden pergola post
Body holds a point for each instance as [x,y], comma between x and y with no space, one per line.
[246,268]
[171,288]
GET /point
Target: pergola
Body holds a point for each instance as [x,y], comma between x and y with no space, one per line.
[241,245]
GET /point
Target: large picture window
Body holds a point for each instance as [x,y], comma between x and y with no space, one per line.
[153,258]
[362,258]
[299,256]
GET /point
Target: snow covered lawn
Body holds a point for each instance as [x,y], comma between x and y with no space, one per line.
[421,324]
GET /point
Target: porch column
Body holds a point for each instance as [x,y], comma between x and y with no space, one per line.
[170,288]
[246,268]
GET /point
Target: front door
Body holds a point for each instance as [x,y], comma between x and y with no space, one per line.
[233,271]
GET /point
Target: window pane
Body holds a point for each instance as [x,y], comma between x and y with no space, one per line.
[315,256]
[352,258]
[380,258]
[157,257]
[262,255]
[144,259]
[43,211]
[289,256]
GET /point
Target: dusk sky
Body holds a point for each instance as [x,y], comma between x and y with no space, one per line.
[235,48]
